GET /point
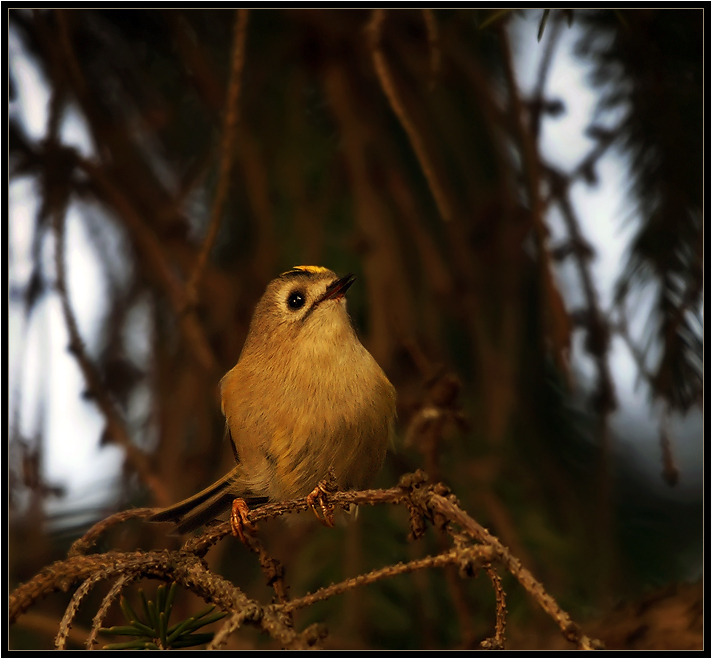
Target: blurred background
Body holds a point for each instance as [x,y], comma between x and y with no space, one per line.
[520,196]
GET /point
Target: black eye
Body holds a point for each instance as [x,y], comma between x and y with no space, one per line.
[296,300]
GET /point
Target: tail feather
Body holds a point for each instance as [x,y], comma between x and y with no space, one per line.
[204,513]
[177,510]
[204,506]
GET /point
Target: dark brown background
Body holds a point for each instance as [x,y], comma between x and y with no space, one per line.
[412,161]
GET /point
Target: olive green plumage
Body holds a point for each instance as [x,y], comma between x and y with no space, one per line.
[304,398]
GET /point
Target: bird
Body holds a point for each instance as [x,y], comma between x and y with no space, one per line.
[306,402]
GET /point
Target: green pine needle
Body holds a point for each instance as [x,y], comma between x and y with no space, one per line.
[192,640]
[154,632]
[128,612]
[169,600]
[120,630]
[129,645]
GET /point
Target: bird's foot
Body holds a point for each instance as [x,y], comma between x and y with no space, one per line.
[320,495]
[239,521]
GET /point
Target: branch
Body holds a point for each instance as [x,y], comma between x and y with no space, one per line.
[108,600]
[557,320]
[497,643]
[386,79]
[537,102]
[475,556]
[73,607]
[231,119]
[431,503]
[434,43]
[146,240]
[138,459]
[149,244]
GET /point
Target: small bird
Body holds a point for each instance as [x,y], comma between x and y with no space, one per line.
[305,401]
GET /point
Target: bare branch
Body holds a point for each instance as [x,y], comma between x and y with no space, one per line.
[149,244]
[434,43]
[231,119]
[86,542]
[117,431]
[185,567]
[497,643]
[73,607]
[387,84]
[115,591]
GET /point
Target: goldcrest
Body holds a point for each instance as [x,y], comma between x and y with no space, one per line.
[304,400]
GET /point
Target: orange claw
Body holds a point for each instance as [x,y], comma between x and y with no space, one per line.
[239,521]
[320,495]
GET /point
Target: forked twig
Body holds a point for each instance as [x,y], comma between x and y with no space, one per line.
[186,567]
[108,600]
[232,624]
[73,606]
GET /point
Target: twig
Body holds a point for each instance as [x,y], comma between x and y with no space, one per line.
[386,79]
[537,101]
[116,589]
[542,24]
[274,573]
[501,620]
[140,230]
[115,426]
[671,473]
[585,169]
[231,119]
[570,630]
[496,15]
[232,624]
[186,568]
[425,430]
[599,332]
[621,328]
[474,555]
[73,607]
[180,567]
[199,545]
[434,43]
[557,320]
[70,58]
[148,243]
[86,542]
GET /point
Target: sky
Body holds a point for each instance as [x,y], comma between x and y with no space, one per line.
[603,211]
[42,369]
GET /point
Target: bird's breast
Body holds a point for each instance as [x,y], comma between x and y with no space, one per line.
[293,420]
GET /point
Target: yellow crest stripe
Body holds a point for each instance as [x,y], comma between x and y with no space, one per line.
[312,269]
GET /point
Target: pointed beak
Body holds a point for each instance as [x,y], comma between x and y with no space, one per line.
[337,289]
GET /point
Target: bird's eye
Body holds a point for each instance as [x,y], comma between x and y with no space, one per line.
[296,300]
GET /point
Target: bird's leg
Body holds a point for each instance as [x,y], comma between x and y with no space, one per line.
[320,494]
[239,522]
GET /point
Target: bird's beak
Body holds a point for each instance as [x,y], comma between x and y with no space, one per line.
[337,289]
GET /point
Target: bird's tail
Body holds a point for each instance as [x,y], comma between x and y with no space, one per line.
[204,506]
